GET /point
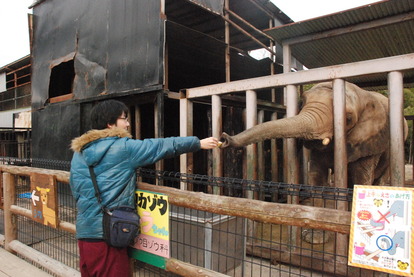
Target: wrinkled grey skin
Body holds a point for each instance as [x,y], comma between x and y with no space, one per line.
[367,134]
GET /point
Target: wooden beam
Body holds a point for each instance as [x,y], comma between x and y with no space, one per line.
[275,213]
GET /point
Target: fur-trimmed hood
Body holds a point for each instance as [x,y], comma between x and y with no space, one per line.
[79,143]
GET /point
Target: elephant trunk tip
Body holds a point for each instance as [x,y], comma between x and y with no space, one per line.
[225,140]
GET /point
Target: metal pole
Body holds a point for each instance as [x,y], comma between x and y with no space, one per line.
[251,150]
[341,161]
[396,100]
[340,157]
[217,119]
[292,165]
[227,41]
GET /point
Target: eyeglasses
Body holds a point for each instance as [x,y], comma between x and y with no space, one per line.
[124,118]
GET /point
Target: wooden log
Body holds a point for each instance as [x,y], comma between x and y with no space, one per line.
[10,220]
[293,215]
[62,225]
[189,270]
[61,176]
[303,258]
[43,260]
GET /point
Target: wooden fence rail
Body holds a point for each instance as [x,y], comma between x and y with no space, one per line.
[259,211]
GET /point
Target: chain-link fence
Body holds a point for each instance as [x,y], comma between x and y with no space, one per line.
[231,245]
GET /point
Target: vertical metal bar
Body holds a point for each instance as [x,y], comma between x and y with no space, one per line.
[341,161]
[227,41]
[396,101]
[293,165]
[286,68]
[287,65]
[340,158]
[291,158]
[273,144]
[260,150]
[186,129]
[251,150]
[217,119]
[10,220]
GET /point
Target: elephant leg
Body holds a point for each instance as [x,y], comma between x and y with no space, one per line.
[382,171]
[362,171]
[318,173]
[317,176]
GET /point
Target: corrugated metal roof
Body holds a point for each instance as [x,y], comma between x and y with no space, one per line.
[381,29]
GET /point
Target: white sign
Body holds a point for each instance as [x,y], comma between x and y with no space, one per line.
[381,229]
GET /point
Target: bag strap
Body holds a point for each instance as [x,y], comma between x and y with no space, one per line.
[95,186]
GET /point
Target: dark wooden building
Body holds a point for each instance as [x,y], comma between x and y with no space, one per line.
[142,53]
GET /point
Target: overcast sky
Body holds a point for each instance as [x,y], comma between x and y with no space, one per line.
[15,34]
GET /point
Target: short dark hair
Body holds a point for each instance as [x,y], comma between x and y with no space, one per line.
[107,112]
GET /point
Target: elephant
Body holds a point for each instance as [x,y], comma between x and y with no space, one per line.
[396,209]
[367,134]
[398,240]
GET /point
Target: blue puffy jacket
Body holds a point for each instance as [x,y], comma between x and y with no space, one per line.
[115,157]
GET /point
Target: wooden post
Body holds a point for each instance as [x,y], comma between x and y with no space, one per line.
[159,127]
[186,129]
[396,100]
[10,220]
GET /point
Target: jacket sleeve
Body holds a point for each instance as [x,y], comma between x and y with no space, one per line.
[149,151]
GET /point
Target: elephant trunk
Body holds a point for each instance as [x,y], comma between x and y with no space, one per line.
[303,125]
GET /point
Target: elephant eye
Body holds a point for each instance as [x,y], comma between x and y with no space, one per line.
[301,103]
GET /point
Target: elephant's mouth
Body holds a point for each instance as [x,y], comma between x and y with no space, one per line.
[319,144]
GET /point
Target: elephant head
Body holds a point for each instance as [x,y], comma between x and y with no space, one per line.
[367,131]
[398,240]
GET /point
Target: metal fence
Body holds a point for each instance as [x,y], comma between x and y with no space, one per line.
[231,245]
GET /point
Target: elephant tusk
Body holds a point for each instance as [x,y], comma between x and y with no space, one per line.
[326,141]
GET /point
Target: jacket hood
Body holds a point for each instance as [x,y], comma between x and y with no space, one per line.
[80,142]
[95,143]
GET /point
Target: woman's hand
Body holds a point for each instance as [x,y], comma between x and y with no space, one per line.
[209,143]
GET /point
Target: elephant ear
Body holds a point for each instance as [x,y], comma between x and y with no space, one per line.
[370,134]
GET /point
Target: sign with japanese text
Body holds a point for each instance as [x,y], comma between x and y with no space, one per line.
[44,199]
[381,236]
[154,238]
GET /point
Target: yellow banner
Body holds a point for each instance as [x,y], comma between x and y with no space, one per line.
[153,210]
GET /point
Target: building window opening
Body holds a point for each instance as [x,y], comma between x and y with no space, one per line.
[61,81]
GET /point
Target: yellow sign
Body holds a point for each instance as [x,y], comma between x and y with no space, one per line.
[153,210]
[381,236]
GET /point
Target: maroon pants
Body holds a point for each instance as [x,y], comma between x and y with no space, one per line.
[99,259]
